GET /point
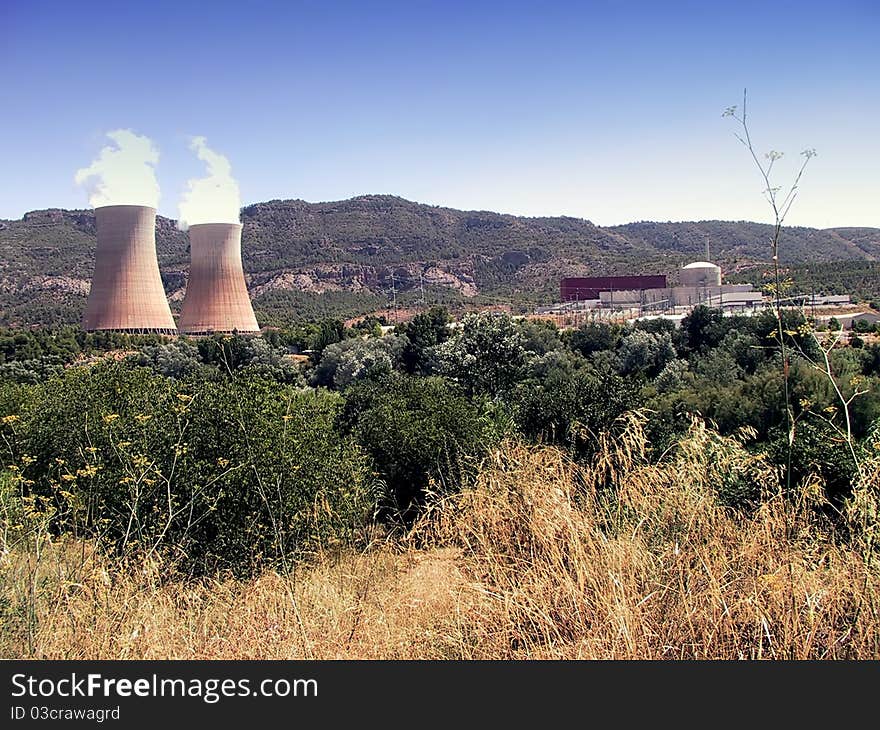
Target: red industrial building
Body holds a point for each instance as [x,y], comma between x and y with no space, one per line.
[589,287]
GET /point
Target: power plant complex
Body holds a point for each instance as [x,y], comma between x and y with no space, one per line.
[699,283]
[127,293]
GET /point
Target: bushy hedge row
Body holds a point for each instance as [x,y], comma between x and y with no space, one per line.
[226,473]
[217,451]
[234,473]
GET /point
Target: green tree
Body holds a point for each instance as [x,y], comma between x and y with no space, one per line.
[595,337]
[421,432]
[540,336]
[645,352]
[343,363]
[702,329]
[571,409]
[485,356]
[176,359]
[423,332]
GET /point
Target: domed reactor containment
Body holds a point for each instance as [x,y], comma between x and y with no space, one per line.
[127,293]
[700,273]
[216,295]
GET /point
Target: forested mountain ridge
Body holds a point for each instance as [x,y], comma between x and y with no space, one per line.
[358,249]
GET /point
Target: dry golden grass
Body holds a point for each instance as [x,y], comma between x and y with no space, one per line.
[381,604]
[542,559]
[662,571]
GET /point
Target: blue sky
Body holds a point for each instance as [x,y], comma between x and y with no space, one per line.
[606,110]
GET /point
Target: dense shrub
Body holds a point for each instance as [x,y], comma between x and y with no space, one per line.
[755,401]
[594,337]
[485,356]
[214,449]
[346,362]
[173,359]
[540,336]
[420,433]
[571,410]
[645,352]
[818,452]
[222,473]
[423,332]
[701,330]
[234,354]
[31,371]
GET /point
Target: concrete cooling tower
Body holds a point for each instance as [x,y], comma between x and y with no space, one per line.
[127,293]
[216,295]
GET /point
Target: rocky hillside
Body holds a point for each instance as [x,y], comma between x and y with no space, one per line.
[354,252]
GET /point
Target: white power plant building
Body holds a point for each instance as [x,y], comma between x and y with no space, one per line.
[699,283]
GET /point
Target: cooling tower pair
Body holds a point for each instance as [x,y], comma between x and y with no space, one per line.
[127,293]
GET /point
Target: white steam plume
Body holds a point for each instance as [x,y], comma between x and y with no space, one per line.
[211,199]
[124,174]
